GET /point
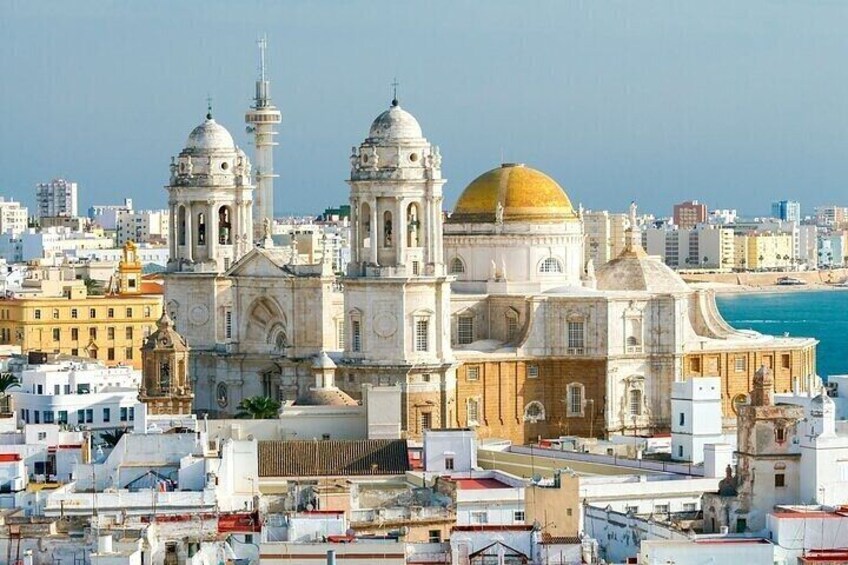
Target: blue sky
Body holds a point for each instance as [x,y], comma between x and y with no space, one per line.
[734,103]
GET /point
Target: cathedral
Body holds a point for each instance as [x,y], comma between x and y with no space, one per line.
[486,317]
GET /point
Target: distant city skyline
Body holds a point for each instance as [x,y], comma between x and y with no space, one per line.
[736,105]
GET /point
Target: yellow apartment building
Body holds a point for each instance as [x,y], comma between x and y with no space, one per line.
[110,328]
[755,251]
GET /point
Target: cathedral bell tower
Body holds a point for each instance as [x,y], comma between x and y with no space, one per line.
[396,291]
[209,196]
[166,388]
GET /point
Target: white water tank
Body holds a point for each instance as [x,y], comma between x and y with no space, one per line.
[104,544]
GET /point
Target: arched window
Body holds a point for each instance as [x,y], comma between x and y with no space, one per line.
[635,402]
[575,399]
[201,229]
[181,225]
[511,325]
[534,412]
[473,412]
[222,395]
[551,265]
[387,229]
[225,226]
[633,329]
[413,226]
[165,377]
[457,266]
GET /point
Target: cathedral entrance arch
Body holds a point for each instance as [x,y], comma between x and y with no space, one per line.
[266,324]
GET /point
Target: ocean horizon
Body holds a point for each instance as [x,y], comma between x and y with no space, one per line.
[820,314]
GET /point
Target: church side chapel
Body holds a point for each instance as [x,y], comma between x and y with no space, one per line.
[166,388]
[486,317]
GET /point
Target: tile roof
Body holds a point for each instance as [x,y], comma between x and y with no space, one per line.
[303,458]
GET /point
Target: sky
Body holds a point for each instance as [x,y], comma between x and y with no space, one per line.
[732,103]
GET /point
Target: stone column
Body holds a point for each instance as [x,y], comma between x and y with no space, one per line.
[374,233]
[212,232]
[355,251]
[189,232]
[172,232]
[401,232]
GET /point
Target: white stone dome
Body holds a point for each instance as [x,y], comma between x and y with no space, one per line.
[395,123]
[210,135]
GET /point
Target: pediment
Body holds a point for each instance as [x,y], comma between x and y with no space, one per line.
[259,263]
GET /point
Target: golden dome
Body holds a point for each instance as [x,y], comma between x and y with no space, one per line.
[525,195]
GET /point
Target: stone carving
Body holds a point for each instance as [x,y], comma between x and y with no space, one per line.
[354,159]
[499,214]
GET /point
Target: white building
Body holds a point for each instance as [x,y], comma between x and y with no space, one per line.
[143,226]
[695,417]
[450,450]
[106,216]
[77,393]
[702,247]
[56,198]
[606,235]
[50,244]
[13,217]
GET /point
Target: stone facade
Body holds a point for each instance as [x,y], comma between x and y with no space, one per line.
[165,386]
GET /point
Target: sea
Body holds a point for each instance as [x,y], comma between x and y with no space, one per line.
[821,314]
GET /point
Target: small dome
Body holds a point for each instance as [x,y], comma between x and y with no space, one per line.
[523,194]
[323,361]
[635,270]
[822,400]
[395,123]
[210,135]
[325,397]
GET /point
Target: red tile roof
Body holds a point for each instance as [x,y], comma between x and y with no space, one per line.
[303,458]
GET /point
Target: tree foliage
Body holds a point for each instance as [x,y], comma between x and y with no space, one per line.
[258,408]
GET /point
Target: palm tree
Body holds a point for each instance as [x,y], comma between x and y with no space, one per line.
[258,408]
[111,438]
[7,381]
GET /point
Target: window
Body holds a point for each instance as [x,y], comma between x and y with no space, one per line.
[128,353]
[110,354]
[41,437]
[635,402]
[631,509]
[228,324]
[39,389]
[480,517]
[89,416]
[780,435]
[63,417]
[779,480]
[36,416]
[457,266]
[107,414]
[55,313]
[110,333]
[465,330]
[325,437]
[550,265]
[682,418]
[472,373]
[422,335]
[448,463]
[575,400]
[680,451]
[575,338]
[110,313]
[83,388]
[695,365]
[690,507]
[568,511]
[48,417]
[473,411]
[92,313]
[75,334]
[511,327]
[67,389]
[416,268]
[534,412]
[518,516]
[57,389]
[74,313]
[128,333]
[38,314]
[741,525]
[132,413]
[147,311]
[56,334]
[356,336]
[532,371]
[661,509]
[80,416]
[75,352]
[739,364]
[426,421]
[634,335]
[785,361]
[92,333]
[425,378]
[434,536]
[123,414]
[129,312]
